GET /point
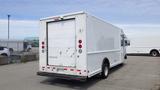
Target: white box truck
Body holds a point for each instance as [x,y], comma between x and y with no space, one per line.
[145,45]
[79,46]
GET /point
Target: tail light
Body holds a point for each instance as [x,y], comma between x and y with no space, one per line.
[42,43]
[43,46]
[80,46]
[78,70]
[65,68]
[80,41]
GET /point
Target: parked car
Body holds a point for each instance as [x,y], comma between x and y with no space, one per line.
[4,51]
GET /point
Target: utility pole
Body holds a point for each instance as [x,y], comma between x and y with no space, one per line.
[8,25]
[8,29]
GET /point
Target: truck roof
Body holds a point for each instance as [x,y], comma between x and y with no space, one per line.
[76,13]
[62,15]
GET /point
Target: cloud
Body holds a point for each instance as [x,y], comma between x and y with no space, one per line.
[19,29]
[141,30]
[119,11]
[136,17]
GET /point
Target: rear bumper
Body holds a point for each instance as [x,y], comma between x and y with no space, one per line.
[63,76]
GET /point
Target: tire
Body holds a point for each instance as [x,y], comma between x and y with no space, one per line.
[154,53]
[105,71]
[4,54]
[125,57]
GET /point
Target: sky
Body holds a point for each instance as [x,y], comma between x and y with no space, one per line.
[136,17]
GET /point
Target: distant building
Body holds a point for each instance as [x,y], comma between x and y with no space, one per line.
[34,41]
[14,45]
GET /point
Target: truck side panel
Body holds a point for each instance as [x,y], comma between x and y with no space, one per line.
[103,40]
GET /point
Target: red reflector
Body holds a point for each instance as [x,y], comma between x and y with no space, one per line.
[78,70]
[42,42]
[80,46]
[42,46]
[80,41]
[65,68]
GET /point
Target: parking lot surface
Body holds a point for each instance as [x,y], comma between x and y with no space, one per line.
[137,73]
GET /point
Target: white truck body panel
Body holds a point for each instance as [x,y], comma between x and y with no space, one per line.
[103,40]
[63,53]
[143,45]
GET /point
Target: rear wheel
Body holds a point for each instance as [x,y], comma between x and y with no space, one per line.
[154,53]
[4,54]
[105,70]
[125,57]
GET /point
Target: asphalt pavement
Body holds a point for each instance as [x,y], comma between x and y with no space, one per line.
[137,73]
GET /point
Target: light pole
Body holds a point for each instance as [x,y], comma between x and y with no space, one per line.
[8,29]
[8,25]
